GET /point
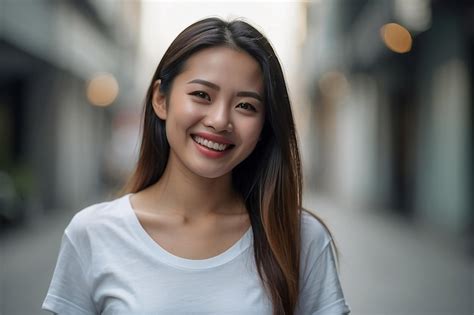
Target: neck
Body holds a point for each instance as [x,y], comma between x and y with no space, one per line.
[185,193]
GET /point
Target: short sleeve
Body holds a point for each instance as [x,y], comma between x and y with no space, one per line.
[321,292]
[320,288]
[69,291]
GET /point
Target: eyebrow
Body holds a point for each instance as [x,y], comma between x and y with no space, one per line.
[207,83]
[250,94]
[217,88]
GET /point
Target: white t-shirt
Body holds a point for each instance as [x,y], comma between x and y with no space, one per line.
[108,264]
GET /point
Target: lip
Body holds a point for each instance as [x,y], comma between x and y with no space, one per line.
[210,153]
[213,138]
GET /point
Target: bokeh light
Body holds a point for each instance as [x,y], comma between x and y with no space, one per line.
[396,37]
[102,89]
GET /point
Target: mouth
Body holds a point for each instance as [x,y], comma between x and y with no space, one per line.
[212,145]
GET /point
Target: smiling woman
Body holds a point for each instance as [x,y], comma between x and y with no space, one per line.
[211,220]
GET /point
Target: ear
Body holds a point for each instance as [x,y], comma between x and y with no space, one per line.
[158,101]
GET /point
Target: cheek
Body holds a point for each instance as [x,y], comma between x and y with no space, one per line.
[251,132]
[183,115]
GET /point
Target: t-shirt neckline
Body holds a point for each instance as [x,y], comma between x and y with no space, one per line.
[165,256]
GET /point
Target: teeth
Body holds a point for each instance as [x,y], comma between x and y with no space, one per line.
[209,144]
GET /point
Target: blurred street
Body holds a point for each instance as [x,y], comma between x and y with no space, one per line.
[382,94]
[387,267]
[28,256]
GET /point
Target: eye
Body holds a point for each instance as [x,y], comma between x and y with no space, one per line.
[201,94]
[247,106]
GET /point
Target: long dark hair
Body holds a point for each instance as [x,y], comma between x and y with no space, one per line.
[269,180]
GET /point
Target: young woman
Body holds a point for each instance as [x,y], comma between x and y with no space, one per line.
[212,221]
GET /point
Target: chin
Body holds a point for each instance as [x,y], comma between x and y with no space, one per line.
[211,173]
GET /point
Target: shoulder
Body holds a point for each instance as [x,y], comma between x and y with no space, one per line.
[95,217]
[314,235]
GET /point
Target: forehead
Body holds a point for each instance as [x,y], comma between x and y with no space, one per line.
[226,67]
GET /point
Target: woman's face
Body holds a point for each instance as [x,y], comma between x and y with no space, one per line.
[215,111]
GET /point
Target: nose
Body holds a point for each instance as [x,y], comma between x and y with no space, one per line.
[218,117]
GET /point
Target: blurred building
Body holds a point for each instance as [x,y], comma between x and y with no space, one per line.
[61,63]
[391,86]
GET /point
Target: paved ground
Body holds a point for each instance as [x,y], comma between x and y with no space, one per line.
[390,267]
[387,266]
[27,258]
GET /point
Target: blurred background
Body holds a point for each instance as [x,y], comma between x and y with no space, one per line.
[382,97]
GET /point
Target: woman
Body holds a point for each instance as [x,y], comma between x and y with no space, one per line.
[211,222]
